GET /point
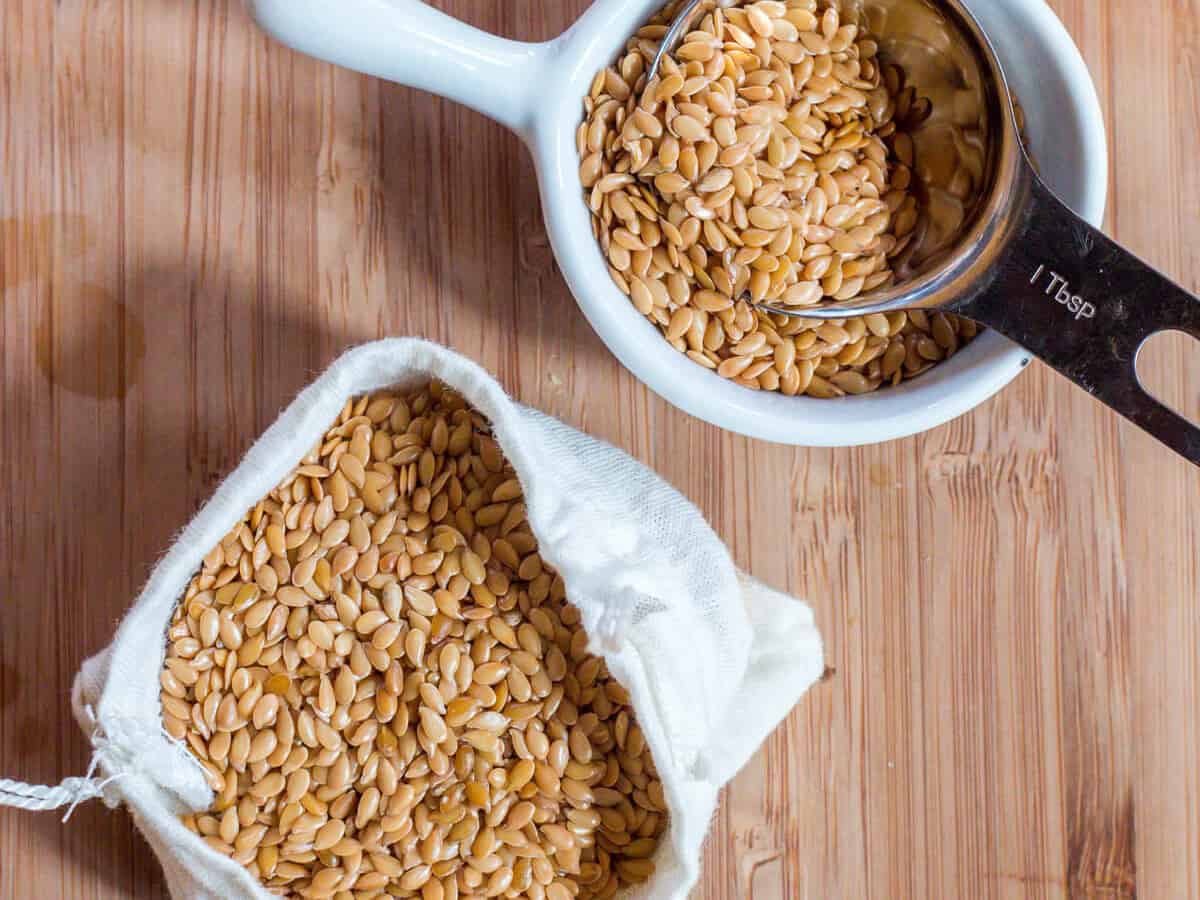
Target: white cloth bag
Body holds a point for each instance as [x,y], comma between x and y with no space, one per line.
[713,660]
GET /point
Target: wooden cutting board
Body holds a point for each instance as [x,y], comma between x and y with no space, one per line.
[194,221]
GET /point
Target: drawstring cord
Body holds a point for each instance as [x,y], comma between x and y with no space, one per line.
[70,792]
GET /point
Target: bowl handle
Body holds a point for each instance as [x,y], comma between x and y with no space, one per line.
[413,44]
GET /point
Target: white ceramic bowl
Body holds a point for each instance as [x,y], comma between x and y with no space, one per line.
[537,90]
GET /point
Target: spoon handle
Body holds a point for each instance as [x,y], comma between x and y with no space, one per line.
[1085,305]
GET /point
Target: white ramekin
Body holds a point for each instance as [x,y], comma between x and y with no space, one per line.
[537,90]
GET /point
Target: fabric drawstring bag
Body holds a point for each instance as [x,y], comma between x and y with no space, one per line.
[712,659]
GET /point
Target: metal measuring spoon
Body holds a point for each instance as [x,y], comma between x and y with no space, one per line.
[1005,252]
[687,16]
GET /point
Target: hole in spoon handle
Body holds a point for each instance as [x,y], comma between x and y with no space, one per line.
[1085,305]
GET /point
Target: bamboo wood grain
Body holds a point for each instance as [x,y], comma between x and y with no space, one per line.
[194,221]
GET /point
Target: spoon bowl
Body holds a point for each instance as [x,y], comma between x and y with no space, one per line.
[996,245]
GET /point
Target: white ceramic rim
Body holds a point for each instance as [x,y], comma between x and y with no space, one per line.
[954,387]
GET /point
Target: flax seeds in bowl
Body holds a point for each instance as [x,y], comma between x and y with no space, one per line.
[771,157]
[389,690]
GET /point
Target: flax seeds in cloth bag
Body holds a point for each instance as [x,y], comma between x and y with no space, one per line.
[712,659]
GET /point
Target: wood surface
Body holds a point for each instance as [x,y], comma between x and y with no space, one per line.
[194,221]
